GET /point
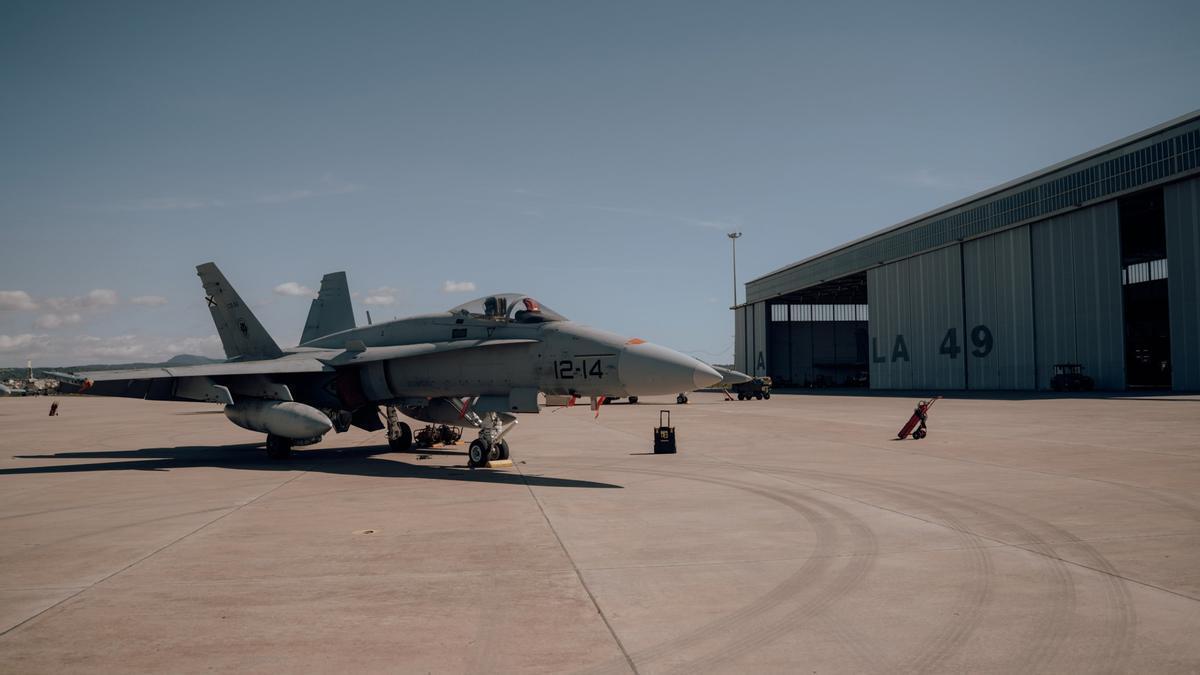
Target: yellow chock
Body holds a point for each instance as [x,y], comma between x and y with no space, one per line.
[500,464]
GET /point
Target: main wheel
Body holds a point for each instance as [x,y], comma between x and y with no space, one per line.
[758,395]
[681,399]
[278,447]
[501,447]
[403,442]
[477,454]
[633,399]
[766,394]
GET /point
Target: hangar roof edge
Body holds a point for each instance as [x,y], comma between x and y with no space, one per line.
[978,196]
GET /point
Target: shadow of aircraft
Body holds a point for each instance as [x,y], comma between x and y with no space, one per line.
[345,462]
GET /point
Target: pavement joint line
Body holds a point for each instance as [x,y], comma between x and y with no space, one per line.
[578,573]
[151,554]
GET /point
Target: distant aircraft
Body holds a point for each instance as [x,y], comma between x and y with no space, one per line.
[474,365]
[730,377]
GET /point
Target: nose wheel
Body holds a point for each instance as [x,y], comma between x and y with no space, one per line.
[490,446]
[480,453]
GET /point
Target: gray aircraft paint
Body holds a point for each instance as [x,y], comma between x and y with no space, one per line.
[331,311]
[420,364]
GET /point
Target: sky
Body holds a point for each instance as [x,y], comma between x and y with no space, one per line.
[593,155]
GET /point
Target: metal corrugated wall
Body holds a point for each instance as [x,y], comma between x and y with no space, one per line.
[1181,201]
[998,286]
[914,303]
[1077,295]
[740,348]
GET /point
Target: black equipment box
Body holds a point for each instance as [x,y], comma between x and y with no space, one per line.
[664,434]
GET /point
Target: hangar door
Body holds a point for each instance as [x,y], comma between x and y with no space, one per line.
[998,345]
[915,330]
[1181,202]
[1077,295]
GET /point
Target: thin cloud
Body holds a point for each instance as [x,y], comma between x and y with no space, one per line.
[384,295]
[209,345]
[94,299]
[929,179]
[326,186]
[51,321]
[149,300]
[169,204]
[458,286]
[291,288]
[12,343]
[658,215]
[16,300]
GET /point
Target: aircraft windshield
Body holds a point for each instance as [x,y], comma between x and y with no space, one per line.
[509,307]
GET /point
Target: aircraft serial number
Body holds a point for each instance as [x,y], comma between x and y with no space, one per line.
[568,369]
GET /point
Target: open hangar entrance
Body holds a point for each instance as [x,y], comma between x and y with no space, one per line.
[817,337]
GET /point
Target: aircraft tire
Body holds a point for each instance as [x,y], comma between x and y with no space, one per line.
[766,394]
[681,399]
[404,442]
[633,399]
[278,447]
[502,448]
[477,454]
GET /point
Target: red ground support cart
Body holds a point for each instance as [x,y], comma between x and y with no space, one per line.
[916,423]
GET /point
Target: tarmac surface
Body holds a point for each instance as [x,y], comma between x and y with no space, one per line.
[789,535]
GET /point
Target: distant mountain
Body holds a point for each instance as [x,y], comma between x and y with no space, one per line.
[190,360]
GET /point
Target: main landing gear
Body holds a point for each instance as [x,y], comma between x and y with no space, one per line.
[399,434]
[490,446]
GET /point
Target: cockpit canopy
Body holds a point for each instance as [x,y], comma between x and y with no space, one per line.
[508,308]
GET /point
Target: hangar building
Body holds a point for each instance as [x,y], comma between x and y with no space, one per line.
[1093,261]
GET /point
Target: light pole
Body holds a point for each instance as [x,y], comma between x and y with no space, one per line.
[733,237]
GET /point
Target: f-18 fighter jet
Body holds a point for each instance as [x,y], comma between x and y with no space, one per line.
[475,365]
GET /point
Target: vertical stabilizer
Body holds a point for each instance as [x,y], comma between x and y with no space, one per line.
[332,311]
[241,333]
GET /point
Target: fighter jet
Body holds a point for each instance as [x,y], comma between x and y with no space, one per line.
[477,365]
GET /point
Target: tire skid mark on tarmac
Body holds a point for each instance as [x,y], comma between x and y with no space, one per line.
[1051,631]
[1121,617]
[740,630]
[972,602]
[1047,634]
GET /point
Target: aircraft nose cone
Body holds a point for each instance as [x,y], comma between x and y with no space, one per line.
[704,376]
[646,369]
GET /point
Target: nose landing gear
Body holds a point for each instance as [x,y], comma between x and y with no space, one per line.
[490,446]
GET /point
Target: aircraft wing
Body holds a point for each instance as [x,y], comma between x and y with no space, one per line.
[269,367]
[190,382]
[219,382]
